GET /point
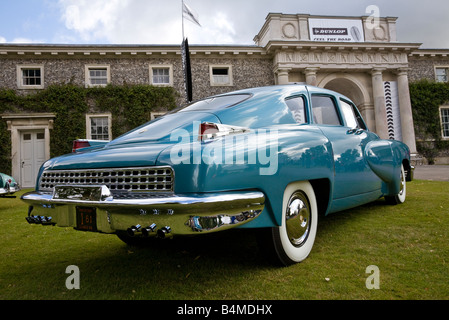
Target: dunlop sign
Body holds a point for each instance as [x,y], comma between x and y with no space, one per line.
[336,30]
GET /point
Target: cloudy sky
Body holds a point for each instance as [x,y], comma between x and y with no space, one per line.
[222,22]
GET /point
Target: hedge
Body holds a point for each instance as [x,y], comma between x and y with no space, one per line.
[426,98]
[130,106]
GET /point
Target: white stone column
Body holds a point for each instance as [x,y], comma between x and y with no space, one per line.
[282,75]
[405,108]
[379,104]
[310,74]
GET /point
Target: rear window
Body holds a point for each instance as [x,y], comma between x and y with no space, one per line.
[214,103]
[296,106]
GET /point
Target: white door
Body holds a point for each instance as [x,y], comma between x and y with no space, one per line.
[32,156]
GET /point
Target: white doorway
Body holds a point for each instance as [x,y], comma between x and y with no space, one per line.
[30,144]
[32,156]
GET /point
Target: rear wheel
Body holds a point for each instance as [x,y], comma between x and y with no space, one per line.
[400,197]
[294,239]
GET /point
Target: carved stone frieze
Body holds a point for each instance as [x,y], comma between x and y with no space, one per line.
[341,59]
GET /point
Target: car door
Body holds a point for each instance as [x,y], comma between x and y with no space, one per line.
[341,123]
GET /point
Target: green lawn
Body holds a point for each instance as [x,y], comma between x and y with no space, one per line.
[409,244]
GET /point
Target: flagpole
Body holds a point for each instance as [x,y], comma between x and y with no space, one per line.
[182,16]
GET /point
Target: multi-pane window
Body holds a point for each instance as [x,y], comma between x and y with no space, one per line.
[98,126]
[444,112]
[221,75]
[30,77]
[161,76]
[441,74]
[97,76]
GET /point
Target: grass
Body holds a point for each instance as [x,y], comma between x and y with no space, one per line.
[409,244]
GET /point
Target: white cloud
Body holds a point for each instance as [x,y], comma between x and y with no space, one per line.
[141,22]
[19,40]
[25,40]
[92,20]
[217,29]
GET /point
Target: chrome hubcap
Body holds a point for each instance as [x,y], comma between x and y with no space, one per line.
[298,218]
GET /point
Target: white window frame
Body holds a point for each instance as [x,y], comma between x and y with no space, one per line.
[447,73]
[91,67]
[21,68]
[213,79]
[442,123]
[162,66]
[89,116]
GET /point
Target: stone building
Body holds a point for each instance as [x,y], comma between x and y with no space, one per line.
[350,55]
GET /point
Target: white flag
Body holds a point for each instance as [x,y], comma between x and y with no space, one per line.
[189,14]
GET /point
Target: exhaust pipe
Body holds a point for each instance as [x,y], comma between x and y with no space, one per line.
[163,232]
[45,221]
[146,231]
[133,230]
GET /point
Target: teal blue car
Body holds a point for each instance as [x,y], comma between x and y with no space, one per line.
[8,186]
[272,158]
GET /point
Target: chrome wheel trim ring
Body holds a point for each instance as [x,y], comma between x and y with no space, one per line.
[298,218]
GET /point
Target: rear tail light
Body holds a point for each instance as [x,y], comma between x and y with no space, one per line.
[79,144]
[210,130]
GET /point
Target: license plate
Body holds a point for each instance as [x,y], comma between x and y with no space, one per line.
[86,219]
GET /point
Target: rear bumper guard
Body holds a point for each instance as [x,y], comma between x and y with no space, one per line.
[180,214]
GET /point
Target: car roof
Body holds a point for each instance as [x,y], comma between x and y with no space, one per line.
[284,90]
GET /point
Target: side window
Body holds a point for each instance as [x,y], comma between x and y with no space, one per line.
[324,110]
[297,108]
[351,115]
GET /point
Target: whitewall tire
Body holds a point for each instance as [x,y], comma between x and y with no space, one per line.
[400,197]
[294,239]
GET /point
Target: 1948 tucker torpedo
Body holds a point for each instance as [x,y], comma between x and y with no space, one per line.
[272,157]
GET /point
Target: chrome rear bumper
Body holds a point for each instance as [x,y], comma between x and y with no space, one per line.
[9,190]
[183,214]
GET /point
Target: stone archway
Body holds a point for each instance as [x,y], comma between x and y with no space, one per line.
[352,88]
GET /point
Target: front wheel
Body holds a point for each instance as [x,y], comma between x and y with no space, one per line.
[400,197]
[294,239]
